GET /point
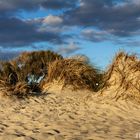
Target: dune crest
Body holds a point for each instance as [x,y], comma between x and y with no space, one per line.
[123,78]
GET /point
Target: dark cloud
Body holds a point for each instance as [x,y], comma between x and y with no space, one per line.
[59,4]
[8,7]
[119,18]
[16,32]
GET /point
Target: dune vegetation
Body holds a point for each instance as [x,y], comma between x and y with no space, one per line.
[74,73]
[31,73]
[122,78]
[22,75]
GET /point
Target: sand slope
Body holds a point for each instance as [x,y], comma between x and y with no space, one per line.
[68,115]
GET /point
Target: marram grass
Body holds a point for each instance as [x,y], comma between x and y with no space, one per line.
[122,78]
[73,72]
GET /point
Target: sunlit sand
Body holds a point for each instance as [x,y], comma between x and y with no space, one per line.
[64,111]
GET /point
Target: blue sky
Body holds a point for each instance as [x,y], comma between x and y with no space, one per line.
[96,28]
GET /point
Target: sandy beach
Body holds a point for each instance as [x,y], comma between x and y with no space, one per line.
[68,115]
[74,101]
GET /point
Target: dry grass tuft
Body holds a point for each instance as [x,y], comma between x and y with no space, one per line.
[123,77]
[20,76]
[74,73]
[35,63]
[21,89]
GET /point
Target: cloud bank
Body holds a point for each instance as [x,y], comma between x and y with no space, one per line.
[99,20]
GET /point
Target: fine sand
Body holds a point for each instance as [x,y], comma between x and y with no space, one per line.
[68,115]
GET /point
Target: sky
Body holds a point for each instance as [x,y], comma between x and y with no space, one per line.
[95,28]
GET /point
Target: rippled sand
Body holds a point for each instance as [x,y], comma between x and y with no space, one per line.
[68,115]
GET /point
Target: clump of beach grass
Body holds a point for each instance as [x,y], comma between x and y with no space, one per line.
[34,71]
[123,77]
[74,73]
[21,76]
[35,64]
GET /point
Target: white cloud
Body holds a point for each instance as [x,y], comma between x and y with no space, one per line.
[71,48]
[91,31]
[52,20]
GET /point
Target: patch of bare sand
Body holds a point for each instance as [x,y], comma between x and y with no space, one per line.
[68,115]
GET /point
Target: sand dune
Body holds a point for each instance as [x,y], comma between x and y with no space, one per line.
[77,102]
[68,115]
[123,79]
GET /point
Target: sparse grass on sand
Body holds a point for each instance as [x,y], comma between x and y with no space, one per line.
[123,78]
